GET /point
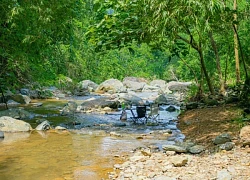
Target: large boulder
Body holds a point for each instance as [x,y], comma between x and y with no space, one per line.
[178,86]
[22,99]
[99,103]
[45,125]
[134,84]
[17,113]
[161,99]
[148,88]
[135,79]
[222,138]
[111,86]
[86,86]
[69,108]
[158,83]
[9,124]
[131,99]
[245,135]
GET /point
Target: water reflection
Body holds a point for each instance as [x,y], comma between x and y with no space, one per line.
[62,156]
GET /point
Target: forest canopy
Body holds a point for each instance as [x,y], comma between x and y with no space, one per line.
[204,41]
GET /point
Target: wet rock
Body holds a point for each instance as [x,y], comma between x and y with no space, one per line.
[1,134]
[179,161]
[245,135]
[171,109]
[60,128]
[227,146]
[222,138]
[175,148]
[69,108]
[196,149]
[123,116]
[37,104]
[115,134]
[25,91]
[99,103]
[9,124]
[162,99]
[16,113]
[12,103]
[22,99]
[119,124]
[223,175]
[45,125]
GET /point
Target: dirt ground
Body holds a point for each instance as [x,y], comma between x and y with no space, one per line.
[203,125]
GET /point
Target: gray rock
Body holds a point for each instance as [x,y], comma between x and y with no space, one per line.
[45,125]
[223,175]
[111,86]
[69,108]
[171,109]
[9,124]
[86,86]
[158,83]
[178,86]
[179,161]
[12,103]
[16,113]
[129,98]
[162,99]
[25,91]
[134,86]
[196,149]
[222,138]
[227,146]
[175,148]
[60,128]
[1,134]
[147,88]
[22,99]
[245,135]
[123,116]
[99,103]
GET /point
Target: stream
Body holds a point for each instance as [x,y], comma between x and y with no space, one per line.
[88,150]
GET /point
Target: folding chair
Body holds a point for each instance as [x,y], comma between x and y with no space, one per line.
[141,114]
[154,113]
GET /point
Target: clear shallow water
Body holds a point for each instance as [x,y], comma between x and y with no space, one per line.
[88,153]
[54,155]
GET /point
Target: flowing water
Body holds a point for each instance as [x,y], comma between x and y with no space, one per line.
[85,153]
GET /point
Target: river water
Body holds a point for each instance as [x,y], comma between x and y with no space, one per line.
[82,153]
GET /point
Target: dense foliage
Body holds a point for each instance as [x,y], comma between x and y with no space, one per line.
[190,40]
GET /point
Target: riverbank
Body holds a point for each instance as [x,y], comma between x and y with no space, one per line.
[200,126]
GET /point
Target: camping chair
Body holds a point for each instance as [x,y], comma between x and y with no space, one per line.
[141,114]
[154,113]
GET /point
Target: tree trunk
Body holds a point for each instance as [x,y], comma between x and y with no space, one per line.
[198,48]
[210,86]
[213,43]
[236,45]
